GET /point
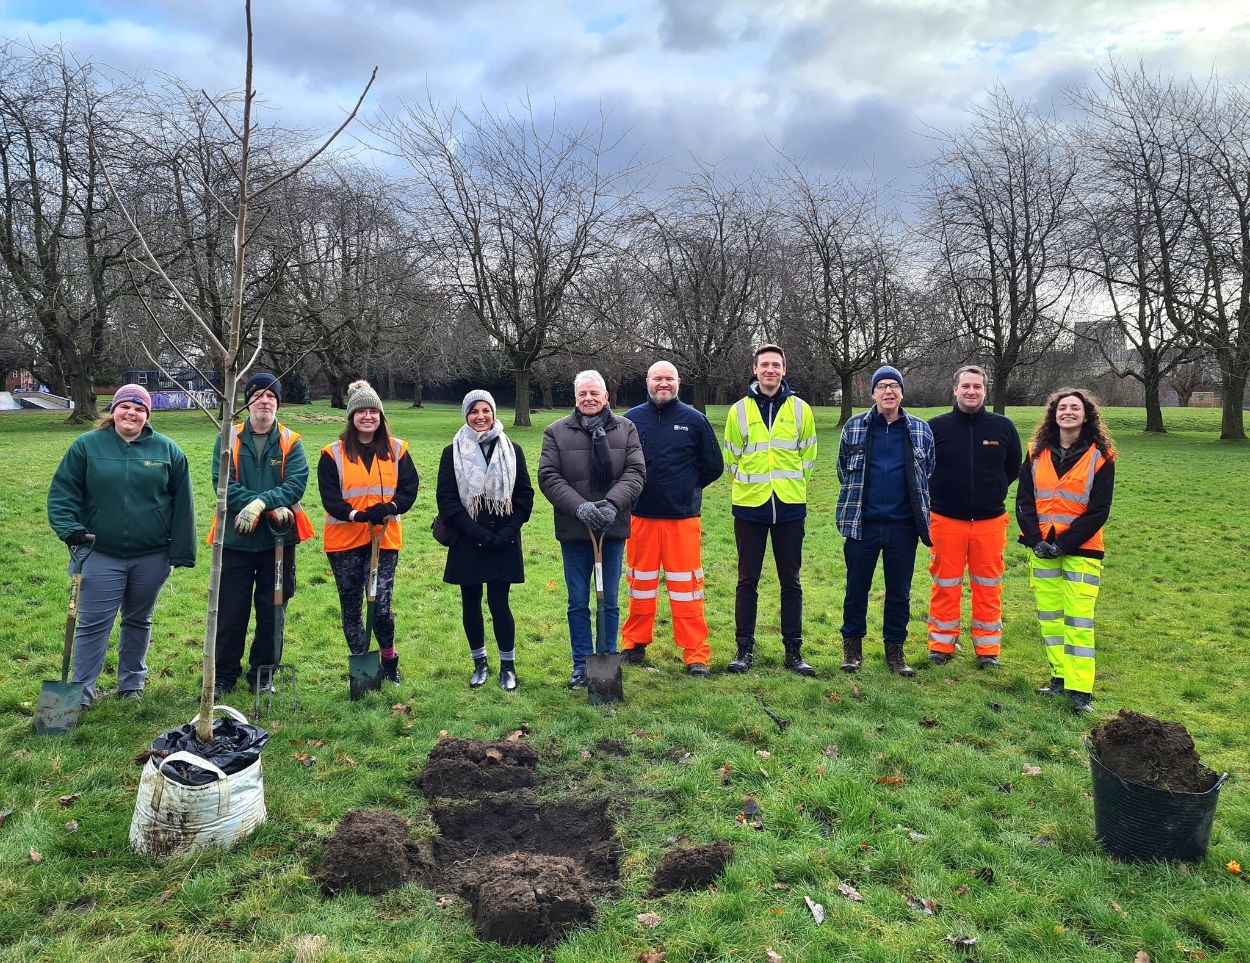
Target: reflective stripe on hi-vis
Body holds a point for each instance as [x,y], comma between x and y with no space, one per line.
[939,624]
[1049,616]
[1053,640]
[786,473]
[643,593]
[941,638]
[1085,577]
[678,576]
[985,579]
[642,575]
[947,582]
[1080,651]
[988,626]
[1047,572]
[685,596]
[989,639]
[749,478]
[1078,623]
[1061,517]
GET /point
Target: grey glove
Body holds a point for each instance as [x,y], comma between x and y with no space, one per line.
[1046,550]
[607,512]
[589,515]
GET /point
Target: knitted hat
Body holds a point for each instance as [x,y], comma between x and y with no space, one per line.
[473,397]
[886,371]
[135,394]
[262,381]
[360,394]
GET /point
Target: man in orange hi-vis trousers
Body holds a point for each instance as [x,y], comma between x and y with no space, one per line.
[978,457]
[683,457]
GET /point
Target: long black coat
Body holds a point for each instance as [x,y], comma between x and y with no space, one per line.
[468,561]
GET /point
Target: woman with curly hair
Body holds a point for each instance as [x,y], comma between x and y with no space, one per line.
[1062,503]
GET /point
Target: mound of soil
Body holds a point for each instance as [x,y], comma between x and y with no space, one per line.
[1151,752]
[471,833]
[524,898]
[370,851]
[612,747]
[690,868]
[470,767]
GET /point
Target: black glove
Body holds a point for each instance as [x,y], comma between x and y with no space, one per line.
[376,514]
[75,539]
[1046,550]
[484,536]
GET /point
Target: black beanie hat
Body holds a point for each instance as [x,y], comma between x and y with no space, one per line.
[262,381]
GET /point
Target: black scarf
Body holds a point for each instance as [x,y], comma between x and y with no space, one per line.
[600,452]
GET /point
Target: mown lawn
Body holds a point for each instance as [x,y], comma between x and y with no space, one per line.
[1009,858]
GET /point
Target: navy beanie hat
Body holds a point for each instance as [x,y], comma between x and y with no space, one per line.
[262,381]
[884,372]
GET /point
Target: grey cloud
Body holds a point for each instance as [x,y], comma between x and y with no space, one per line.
[690,25]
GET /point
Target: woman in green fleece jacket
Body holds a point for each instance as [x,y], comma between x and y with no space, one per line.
[130,487]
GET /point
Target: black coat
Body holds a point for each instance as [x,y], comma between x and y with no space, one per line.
[469,562]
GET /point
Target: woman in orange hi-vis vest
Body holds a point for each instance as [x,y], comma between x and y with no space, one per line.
[366,478]
[1063,500]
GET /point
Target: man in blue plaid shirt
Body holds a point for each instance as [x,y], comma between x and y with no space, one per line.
[885,459]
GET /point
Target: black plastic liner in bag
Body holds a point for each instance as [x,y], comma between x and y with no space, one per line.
[234,747]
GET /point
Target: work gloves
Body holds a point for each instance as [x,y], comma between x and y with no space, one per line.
[245,521]
[281,516]
[1046,550]
[597,516]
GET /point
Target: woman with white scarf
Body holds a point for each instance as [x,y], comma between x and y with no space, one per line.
[484,497]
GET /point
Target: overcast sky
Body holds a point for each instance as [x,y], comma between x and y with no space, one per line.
[841,83]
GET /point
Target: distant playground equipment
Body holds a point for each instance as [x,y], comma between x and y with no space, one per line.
[11,401]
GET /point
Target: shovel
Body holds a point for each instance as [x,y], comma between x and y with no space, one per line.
[278,677]
[364,671]
[603,669]
[60,702]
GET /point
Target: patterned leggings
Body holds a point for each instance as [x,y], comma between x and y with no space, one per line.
[351,572]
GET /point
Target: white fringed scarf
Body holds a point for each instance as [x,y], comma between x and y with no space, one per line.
[482,484]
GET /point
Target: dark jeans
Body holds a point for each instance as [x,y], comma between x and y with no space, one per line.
[247,580]
[579,577]
[788,557]
[896,545]
[500,616]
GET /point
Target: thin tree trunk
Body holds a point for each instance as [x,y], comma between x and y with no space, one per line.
[699,390]
[417,387]
[521,377]
[548,389]
[848,388]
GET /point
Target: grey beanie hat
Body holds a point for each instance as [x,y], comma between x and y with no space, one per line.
[360,394]
[473,397]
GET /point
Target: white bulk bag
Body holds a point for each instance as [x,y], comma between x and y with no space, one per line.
[172,819]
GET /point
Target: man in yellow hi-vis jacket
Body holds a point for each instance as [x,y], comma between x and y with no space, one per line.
[770,450]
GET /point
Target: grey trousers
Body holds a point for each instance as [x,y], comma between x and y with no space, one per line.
[110,584]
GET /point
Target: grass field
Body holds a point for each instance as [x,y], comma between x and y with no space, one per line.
[1008,858]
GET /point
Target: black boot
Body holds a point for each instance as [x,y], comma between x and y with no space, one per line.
[852,654]
[1082,703]
[1054,688]
[894,659]
[507,676]
[746,655]
[481,672]
[390,670]
[794,659]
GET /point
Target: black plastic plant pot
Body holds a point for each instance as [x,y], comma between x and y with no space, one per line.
[1136,823]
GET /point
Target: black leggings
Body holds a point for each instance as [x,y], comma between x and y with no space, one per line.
[500,614]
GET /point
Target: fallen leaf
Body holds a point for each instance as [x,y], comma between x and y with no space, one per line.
[444,901]
[494,755]
[1193,954]
[929,723]
[1058,929]
[400,708]
[652,955]
[856,691]
[70,799]
[772,956]
[1031,770]
[833,697]
[962,889]
[781,885]
[817,911]
[650,920]
[515,736]
[305,759]
[831,751]
[168,894]
[1142,957]
[928,907]
[890,781]
[685,759]
[1118,908]
[4,815]
[916,837]
[965,944]
[1182,868]
[71,826]
[36,857]
[870,735]
[1234,867]
[584,754]
[316,743]
[763,754]
[442,733]
[552,584]
[763,772]
[776,911]
[22,754]
[850,892]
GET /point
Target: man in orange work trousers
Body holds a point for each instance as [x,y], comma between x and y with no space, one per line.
[978,457]
[683,457]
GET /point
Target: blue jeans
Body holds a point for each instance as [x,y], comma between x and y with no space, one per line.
[895,544]
[579,573]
